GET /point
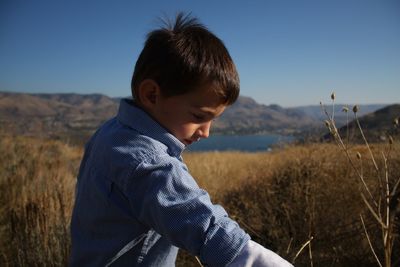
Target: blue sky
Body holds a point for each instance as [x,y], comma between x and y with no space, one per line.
[289,53]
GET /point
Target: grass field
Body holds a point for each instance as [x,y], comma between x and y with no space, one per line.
[283,199]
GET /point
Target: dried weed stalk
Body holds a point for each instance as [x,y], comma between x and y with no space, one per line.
[382,204]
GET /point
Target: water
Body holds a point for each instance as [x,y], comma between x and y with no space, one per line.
[247,143]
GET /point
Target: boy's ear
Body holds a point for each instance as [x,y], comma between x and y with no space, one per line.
[149,92]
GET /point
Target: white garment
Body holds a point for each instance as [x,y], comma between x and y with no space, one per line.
[255,255]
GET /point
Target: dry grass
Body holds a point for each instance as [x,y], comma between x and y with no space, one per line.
[313,193]
[220,172]
[282,199]
[36,192]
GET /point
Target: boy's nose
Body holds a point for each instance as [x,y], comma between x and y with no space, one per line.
[204,130]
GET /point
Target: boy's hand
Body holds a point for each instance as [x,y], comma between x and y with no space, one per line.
[255,255]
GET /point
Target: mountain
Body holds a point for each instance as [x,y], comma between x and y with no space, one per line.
[74,117]
[376,126]
[341,118]
[246,116]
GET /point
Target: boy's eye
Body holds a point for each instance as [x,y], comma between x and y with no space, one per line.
[198,117]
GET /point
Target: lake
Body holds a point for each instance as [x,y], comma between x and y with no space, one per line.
[247,143]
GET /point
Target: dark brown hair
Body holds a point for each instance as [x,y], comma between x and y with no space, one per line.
[184,55]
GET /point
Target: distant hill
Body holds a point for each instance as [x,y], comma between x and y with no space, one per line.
[62,116]
[74,117]
[246,116]
[376,125]
[316,113]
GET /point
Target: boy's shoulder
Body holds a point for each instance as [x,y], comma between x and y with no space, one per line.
[118,153]
[132,139]
[116,140]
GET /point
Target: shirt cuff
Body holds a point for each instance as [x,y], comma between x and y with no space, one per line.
[255,255]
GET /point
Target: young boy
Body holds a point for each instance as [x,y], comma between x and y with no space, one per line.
[136,202]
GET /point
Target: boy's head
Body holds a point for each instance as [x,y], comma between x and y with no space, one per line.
[184,56]
[184,69]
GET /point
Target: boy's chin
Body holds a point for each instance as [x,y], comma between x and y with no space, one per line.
[188,142]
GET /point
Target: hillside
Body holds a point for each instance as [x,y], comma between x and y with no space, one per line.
[376,125]
[74,117]
[340,117]
[246,116]
[64,116]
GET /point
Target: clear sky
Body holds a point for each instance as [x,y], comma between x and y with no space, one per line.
[289,53]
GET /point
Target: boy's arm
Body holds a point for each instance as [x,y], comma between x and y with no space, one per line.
[165,197]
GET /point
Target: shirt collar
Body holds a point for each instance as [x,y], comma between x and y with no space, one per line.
[131,115]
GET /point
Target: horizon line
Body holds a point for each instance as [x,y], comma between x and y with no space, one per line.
[246,96]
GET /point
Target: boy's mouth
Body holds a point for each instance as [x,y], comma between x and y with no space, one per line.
[190,141]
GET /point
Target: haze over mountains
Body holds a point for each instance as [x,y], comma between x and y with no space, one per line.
[75,117]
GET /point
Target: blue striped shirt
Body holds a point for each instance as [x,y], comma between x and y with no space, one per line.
[136,202]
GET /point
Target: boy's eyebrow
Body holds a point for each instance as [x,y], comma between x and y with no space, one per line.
[210,112]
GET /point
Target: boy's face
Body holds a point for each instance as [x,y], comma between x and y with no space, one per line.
[189,116]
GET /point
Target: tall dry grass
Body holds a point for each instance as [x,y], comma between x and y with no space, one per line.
[284,199]
[312,195]
[36,192]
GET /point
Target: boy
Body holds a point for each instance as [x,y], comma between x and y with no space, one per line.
[136,202]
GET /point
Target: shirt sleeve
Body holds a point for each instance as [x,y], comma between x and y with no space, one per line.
[165,197]
[255,255]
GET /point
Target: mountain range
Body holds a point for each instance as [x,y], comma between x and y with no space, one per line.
[74,117]
[376,126]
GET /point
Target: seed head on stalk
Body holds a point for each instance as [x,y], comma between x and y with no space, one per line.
[333,96]
[333,104]
[355,108]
